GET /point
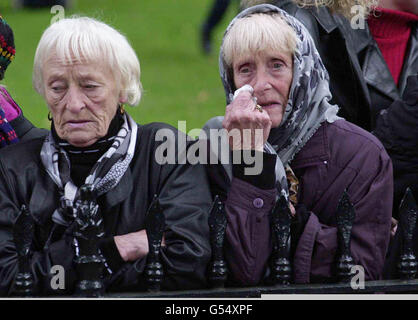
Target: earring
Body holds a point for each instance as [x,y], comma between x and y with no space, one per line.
[49,116]
[122,109]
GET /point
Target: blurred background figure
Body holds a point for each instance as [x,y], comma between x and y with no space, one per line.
[17,4]
[13,126]
[215,15]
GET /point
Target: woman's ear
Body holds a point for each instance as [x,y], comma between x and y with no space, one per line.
[123,97]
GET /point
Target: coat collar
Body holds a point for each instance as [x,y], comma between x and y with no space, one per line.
[375,70]
[337,23]
[325,19]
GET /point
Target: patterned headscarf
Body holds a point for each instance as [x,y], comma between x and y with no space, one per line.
[308,105]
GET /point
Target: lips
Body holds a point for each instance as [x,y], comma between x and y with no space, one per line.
[270,104]
[77,123]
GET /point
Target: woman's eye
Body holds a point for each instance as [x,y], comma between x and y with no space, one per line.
[57,88]
[244,70]
[277,65]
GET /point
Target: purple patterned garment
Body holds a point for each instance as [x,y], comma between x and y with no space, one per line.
[7,134]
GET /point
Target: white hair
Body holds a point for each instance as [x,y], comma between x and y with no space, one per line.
[258,32]
[80,39]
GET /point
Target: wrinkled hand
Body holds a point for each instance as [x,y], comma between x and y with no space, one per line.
[241,114]
[292,209]
[133,246]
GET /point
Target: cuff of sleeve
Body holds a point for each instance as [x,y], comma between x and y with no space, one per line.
[266,179]
[111,253]
[304,250]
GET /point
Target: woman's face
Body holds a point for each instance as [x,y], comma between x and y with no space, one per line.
[270,73]
[82,97]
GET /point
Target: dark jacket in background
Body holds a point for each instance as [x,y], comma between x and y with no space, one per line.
[397,128]
[183,193]
[360,80]
[362,86]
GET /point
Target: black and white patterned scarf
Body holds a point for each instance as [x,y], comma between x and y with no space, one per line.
[308,105]
[105,174]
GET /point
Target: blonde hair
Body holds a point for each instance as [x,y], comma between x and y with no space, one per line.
[342,7]
[81,38]
[258,32]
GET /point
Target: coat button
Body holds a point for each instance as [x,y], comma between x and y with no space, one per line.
[258,203]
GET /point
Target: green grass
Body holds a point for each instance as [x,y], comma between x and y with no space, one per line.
[180,83]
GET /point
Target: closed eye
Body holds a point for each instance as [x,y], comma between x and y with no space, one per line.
[57,89]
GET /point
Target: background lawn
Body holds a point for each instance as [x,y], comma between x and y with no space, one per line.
[180,83]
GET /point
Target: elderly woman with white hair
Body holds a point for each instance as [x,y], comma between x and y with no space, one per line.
[86,71]
[275,83]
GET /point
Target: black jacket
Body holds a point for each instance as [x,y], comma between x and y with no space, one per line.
[360,80]
[362,85]
[25,130]
[397,128]
[184,196]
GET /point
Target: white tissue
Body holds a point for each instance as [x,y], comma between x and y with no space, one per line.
[246,87]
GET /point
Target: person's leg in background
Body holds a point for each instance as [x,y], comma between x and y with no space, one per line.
[215,15]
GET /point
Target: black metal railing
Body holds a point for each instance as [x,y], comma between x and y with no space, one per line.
[90,263]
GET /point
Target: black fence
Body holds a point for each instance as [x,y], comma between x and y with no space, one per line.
[89,263]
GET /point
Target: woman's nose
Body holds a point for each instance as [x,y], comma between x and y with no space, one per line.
[262,81]
[75,101]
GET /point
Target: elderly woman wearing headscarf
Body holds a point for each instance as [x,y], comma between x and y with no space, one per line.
[86,71]
[309,155]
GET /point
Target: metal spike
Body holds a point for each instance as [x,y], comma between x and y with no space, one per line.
[23,233]
[89,262]
[281,219]
[407,265]
[154,225]
[345,217]
[218,270]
